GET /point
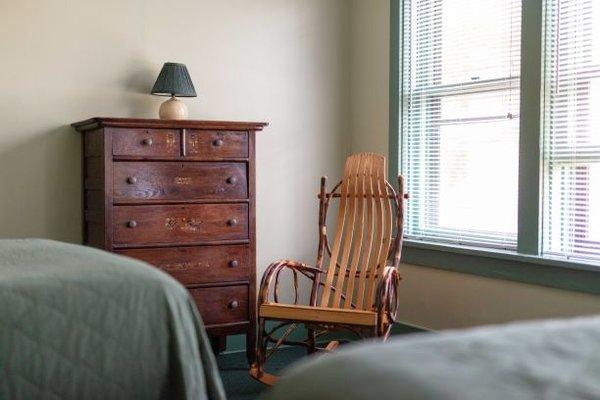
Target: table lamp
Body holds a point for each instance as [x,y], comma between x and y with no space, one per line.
[173,80]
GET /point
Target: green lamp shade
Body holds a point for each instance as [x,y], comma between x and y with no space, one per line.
[174,80]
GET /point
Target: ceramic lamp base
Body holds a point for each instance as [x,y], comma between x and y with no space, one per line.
[173,109]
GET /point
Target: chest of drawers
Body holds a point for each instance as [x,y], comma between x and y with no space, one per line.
[179,195]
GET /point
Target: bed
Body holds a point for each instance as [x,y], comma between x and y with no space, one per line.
[80,323]
[551,360]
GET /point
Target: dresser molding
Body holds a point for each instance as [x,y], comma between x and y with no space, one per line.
[179,195]
[99,122]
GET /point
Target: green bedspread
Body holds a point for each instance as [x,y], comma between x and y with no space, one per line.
[80,323]
[548,360]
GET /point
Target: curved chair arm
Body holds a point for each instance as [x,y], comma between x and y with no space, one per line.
[275,269]
[386,303]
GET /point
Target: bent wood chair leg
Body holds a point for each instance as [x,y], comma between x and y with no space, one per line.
[257,370]
[312,342]
[262,376]
[331,346]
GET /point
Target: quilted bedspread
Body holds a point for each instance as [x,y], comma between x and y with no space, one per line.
[548,360]
[80,323]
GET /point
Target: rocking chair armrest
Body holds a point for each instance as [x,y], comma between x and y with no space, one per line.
[296,265]
[387,292]
[390,270]
[273,271]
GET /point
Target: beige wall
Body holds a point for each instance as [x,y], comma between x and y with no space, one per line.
[433,298]
[281,61]
[369,76]
[438,299]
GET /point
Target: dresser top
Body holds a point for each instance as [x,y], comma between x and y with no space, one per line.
[100,122]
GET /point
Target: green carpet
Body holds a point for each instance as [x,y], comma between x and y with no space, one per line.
[234,372]
[234,367]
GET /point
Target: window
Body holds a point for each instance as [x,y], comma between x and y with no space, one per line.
[461,120]
[461,141]
[571,223]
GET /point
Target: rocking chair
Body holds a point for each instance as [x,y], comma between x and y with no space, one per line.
[357,293]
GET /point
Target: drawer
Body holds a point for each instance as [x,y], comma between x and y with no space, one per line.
[146,142]
[173,181]
[212,145]
[223,304]
[143,225]
[195,265]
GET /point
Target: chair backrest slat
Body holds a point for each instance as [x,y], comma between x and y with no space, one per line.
[363,236]
[331,272]
[348,235]
[385,225]
[359,227]
[362,278]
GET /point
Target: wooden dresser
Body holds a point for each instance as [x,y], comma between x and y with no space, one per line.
[181,196]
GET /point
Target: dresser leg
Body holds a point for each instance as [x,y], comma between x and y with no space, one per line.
[251,346]
[218,343]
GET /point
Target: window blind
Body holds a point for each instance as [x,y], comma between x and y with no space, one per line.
[571,154]
[460,120]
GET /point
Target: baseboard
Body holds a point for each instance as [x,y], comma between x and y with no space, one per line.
[400,328]
[237,343]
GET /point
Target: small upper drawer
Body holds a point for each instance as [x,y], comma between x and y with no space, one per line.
[212,145]
[178,181]
[146,142]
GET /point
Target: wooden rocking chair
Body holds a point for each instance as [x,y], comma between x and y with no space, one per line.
[357,293]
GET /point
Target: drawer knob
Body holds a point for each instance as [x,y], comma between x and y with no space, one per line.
[232,222]
[233,304]
[234,263]
[232,180]
[147,142]
[217,142]
[131,224]
[131,180]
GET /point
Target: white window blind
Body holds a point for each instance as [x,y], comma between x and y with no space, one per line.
[460,120]
[571,220]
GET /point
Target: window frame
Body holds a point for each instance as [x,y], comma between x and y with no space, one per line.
[526,264]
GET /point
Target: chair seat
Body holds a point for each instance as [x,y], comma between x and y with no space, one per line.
[317,314]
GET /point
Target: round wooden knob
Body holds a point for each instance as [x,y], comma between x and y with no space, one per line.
[231,180]
[147,142]
[131,180]
[232,222]
[233,304]
[217,142]
[131,224]
[234,263]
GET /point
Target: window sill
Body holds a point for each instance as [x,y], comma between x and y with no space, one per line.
[507,265]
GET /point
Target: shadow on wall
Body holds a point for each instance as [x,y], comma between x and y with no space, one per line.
[140,82]
[41,186]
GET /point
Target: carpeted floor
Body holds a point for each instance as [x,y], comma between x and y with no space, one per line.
[234,367]
[234,372]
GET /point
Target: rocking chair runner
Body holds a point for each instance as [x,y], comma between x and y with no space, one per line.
[357,292]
